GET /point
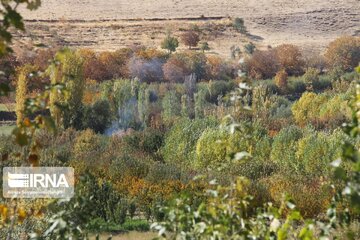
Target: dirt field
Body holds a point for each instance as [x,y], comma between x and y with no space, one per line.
[110,24]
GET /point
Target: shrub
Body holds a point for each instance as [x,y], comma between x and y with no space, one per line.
[170,43]
[306,109]
[320,110]
[239,25]
[250,48]
[190,38]
[204,46]
[146,70]
[180,141]
[217,69]
[284,149]
[344,53]
[97,116]
[281,80]
[216,148]
[176,69]
[262,64]
[311,76]
[171,107]
[290,59]
[316,150]
[218,88]
[86,144]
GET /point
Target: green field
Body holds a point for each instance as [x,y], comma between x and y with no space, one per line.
[6,130]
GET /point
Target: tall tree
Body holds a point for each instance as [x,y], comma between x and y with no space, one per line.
[68,70]
[24,73]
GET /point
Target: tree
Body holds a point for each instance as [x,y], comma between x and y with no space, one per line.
[204,46]
[24,73]
[11,18]
[311,76]
[290,59]
[281,79]
[170,43]
[69,72]
[344,53]
[239,25]
[171,106]
[262,64]
[176,69]
[200,103]
[190,38]
[97,117]
[249,48]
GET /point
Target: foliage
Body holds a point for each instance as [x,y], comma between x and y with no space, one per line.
[344,53]
[281,79]
[204,46]
[12,18]
[171,106]
[226,215]
[170,43]
[180,141]
[97,116]
[262,64]
[190,38]
[176,69]
[24,73]
[290,58]
[320,109]
[311,76]
[67,69]
[250,48]
[239,25]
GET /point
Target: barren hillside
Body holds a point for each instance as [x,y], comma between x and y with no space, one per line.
[109,24]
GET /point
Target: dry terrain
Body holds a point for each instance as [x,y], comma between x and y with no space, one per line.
[110,24]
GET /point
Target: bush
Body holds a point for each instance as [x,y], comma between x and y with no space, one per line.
[262,64]
[311,76]
[98,116]
[176,69]
[290,59]
[284,149]
[190,38]
[239,25]
[320,110]
[146,70]
[306,110]
[180,140]
[218,88]
[170,43]
[281,80]
[217,68]
[344,53]
[216,148]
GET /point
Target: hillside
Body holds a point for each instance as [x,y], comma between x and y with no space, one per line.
[112,24]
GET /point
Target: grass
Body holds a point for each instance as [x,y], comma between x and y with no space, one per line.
[128,236]
[6,129]
[3,108]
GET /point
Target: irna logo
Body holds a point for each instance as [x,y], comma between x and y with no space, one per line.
[42,182]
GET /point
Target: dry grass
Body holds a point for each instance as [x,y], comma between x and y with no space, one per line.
[108,25]
[130,236]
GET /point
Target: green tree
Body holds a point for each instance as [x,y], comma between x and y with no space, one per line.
[170,43]
[68,70]
[200,103]
[204,46]
[239,25]
[171,107]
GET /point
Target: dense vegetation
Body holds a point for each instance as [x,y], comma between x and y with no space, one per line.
[141,126]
